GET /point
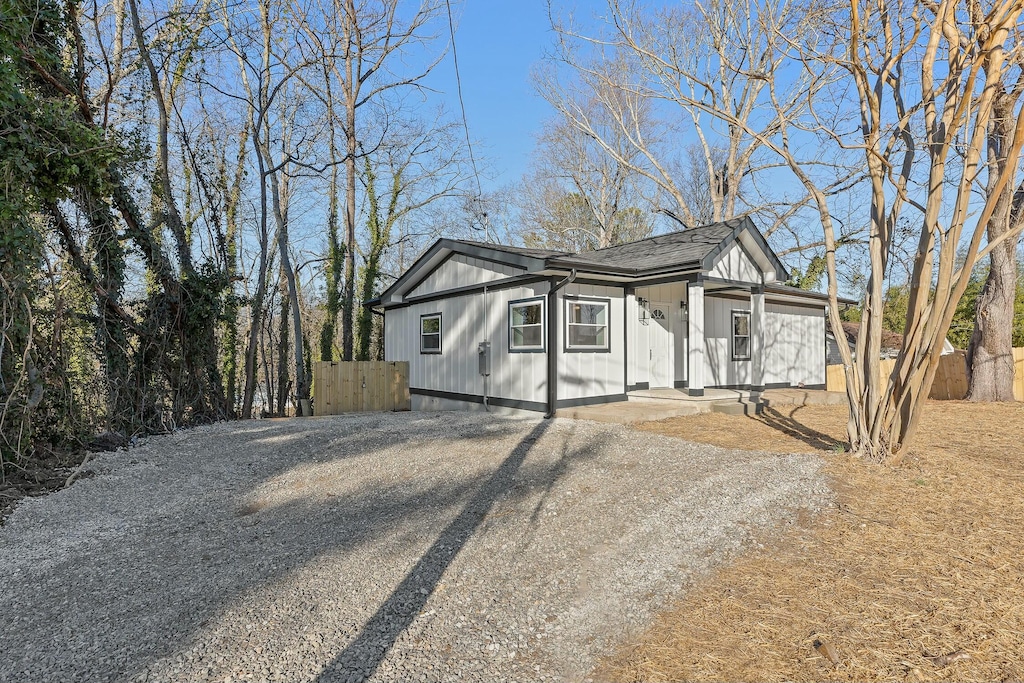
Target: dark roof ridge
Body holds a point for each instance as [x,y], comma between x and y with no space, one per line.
[511,249]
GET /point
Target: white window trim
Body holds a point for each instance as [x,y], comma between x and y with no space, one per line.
[439,333]
[733,336]
[607,324]
[536,301]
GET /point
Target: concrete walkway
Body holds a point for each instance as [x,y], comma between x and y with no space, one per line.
[631,411]
[650,405]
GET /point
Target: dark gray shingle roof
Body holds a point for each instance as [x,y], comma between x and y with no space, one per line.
[687,247]
[525,251]
[675,250]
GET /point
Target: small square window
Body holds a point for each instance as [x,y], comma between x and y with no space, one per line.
[586,325]
[741,335]
[430,333]
[526,325]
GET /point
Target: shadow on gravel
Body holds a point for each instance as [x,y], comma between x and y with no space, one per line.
[560,469]
[168,559]
[364,654]
[153,565]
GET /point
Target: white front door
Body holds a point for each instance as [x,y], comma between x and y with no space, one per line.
[660,331]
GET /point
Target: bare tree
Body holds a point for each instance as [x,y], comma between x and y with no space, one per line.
[267,79]
[415,165]
[724,70]
[362,42]
[990,352]
[962,48]
[578,195]
[923,140]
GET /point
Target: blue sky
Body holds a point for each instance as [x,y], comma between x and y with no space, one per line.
[498,43]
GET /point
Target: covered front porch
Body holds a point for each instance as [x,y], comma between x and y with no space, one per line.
[696,337]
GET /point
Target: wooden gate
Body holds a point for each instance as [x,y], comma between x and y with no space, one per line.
[360,386]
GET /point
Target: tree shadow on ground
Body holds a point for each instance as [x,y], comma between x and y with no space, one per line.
[155,566]
[793,427]
[366,652]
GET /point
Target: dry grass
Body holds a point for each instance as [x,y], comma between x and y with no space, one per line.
[917,561]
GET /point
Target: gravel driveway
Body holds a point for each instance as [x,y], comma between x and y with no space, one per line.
[389,547]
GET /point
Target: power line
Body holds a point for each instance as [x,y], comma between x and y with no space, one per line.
[465,122]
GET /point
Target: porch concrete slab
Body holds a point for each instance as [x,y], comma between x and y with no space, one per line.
[753,407]
[630,412]
[648,405]
[710,395]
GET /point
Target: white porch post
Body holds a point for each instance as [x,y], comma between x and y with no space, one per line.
[695,338]
[757,349]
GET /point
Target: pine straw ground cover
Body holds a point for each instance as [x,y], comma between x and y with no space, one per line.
[917,574]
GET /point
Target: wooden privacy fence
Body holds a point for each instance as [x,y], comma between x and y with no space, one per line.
[1018,374]
[950,378]
[360,386]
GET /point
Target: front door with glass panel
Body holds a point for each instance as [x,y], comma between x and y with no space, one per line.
[660,331]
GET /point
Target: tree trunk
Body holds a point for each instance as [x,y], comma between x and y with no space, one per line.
[364,321]
[229,353]
[256,305]
[990,353]
[282,346]
[335,266]
[348,297]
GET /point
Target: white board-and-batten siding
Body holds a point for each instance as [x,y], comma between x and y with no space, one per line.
[735,265]
[791,354]
[589,374]
[467,320]
[460,270]
[794,343]
[720,368]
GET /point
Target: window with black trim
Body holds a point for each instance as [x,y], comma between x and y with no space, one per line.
[741,335]
[430,333]
[526,325]
[586,324]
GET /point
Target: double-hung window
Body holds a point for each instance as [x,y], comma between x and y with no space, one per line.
[741,335]
[430,333]
[586,324]
[526,325]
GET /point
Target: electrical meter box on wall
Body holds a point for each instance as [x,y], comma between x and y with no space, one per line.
[484,353]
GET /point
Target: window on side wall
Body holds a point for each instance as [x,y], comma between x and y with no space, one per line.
[526,325]
[430,333]
[586,324]
[741,335]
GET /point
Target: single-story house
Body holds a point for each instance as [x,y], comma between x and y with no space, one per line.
[892,342]
[538,330]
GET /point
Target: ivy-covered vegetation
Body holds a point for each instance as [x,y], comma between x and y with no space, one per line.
[78,356]
[179,184]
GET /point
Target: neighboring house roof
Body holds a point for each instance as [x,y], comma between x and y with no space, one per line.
[892,342]
[890,339]
[687,251]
